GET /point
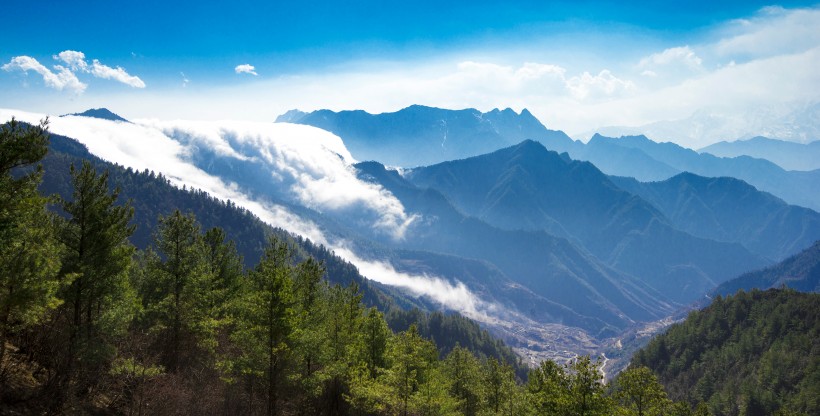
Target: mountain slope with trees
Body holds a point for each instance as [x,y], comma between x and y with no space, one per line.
[751,353]
[91,325]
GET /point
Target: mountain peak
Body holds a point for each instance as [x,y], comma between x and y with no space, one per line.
[531,145]
[101,113]
[291,116]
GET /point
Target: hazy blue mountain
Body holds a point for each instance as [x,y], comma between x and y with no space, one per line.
[728,209]
[151,195]
[800,272]
[788,155]
[531,188]
[576,288]
[102,113]
[795,121]
[794,187]
[419,135]
[614,159]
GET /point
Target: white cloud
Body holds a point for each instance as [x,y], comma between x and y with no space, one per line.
[185,80]
[773,53]
[773,31]
[62,79]
[118,74]
[74,59]
[679,56]
[66,77]
[603,85]
[245,69]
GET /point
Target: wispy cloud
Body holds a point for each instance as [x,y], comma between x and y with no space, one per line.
[185,80]
[62,79]
[117,74]
[245,69]
[681,55]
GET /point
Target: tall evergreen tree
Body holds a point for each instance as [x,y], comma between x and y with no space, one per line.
[177,291]
[265,322]
[99,301]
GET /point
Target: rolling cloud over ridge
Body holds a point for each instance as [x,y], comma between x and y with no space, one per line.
[309,161]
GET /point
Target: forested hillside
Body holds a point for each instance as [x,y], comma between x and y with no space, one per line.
[753,353]
[80,301]
[92,324]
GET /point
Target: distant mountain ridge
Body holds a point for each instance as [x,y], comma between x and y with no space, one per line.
[797,122]
[728,209]
[647,160]
[423,136]
[420,135]
[788,155]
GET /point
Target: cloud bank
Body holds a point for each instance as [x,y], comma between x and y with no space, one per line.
[146,145]
[313,166]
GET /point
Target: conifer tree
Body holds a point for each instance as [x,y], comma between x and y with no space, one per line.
[29,254]
[176,294]
[265,323]
[99,302]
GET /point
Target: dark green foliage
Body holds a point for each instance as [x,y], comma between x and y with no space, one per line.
[451,330]
[28,248]
[98,302]
[177,289]
[755,352]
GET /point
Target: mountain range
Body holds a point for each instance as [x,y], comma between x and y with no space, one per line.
[523,239]
[794,122]
[531,188]
[646,160]
[419,135]
[789,155]
[730,210]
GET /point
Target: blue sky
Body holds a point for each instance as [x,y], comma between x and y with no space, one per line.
[577,64]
